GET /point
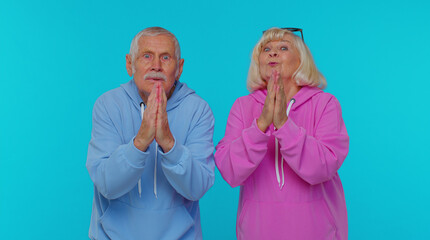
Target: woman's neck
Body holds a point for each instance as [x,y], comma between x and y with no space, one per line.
[290,89]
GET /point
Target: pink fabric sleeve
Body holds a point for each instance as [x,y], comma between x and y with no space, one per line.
[317,156]
[241,150]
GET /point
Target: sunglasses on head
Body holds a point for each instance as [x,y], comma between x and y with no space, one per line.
[293,30]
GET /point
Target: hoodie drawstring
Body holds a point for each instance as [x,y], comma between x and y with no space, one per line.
[155,170]
[139,183]
[292,101]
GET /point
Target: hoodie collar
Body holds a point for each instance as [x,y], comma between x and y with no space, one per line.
[180,92]
[259,95]
[131,89]
[303,95]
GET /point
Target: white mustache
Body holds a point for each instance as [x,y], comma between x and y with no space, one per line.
[155,75]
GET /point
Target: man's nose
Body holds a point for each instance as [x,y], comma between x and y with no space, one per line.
[156,65]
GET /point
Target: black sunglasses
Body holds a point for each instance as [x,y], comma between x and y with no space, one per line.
[293,30]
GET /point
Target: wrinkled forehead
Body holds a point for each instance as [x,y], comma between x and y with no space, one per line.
[161,42]
[281,36]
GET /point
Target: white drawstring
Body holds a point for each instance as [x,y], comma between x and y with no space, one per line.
[276,162]
[155,170]
[139,183]
[292,101]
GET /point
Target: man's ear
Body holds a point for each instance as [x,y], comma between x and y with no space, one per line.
[128,65]
[180,67]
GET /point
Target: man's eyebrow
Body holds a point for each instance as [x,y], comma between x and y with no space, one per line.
[152,52]
[144,51]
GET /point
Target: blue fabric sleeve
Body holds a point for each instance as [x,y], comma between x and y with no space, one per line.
[189,167]
[114,167]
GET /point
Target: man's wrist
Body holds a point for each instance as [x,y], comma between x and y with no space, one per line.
[141,145]
[168,144]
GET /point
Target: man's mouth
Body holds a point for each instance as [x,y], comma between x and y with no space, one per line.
[155,79]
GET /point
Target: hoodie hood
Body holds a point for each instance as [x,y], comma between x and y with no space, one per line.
[302,96]
[181,92]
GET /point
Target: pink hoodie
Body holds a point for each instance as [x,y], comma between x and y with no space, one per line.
[300,195]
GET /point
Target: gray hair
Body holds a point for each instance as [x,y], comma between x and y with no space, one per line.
[151,31]
[306,74]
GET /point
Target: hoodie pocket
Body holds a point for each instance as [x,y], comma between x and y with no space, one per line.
[122,221]
[286,220]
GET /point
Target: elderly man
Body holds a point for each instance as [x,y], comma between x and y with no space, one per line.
[151,152]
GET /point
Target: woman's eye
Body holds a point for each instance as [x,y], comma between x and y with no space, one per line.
[284,48]
[266,49]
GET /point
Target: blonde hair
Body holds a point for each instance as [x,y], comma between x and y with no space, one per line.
[306,74]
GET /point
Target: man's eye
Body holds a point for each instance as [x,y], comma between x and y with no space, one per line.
[166,57]
[146,56]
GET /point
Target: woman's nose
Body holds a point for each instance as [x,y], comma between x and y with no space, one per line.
[273,54]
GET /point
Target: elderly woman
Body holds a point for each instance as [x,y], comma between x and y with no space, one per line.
[284,144]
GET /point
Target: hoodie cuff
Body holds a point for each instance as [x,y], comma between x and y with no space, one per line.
[256,135]
[173,156]
[288,133]
[134,156]
[253,136]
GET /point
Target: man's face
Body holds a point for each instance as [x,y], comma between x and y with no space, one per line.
[155,62]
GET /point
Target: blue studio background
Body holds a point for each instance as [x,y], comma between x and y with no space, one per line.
[57,57]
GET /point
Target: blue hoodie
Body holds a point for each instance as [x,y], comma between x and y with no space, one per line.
[152,194]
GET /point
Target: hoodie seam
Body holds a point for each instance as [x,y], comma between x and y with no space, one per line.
[102,103]
[326,103]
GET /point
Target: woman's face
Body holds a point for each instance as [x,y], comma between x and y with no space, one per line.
[280,55]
